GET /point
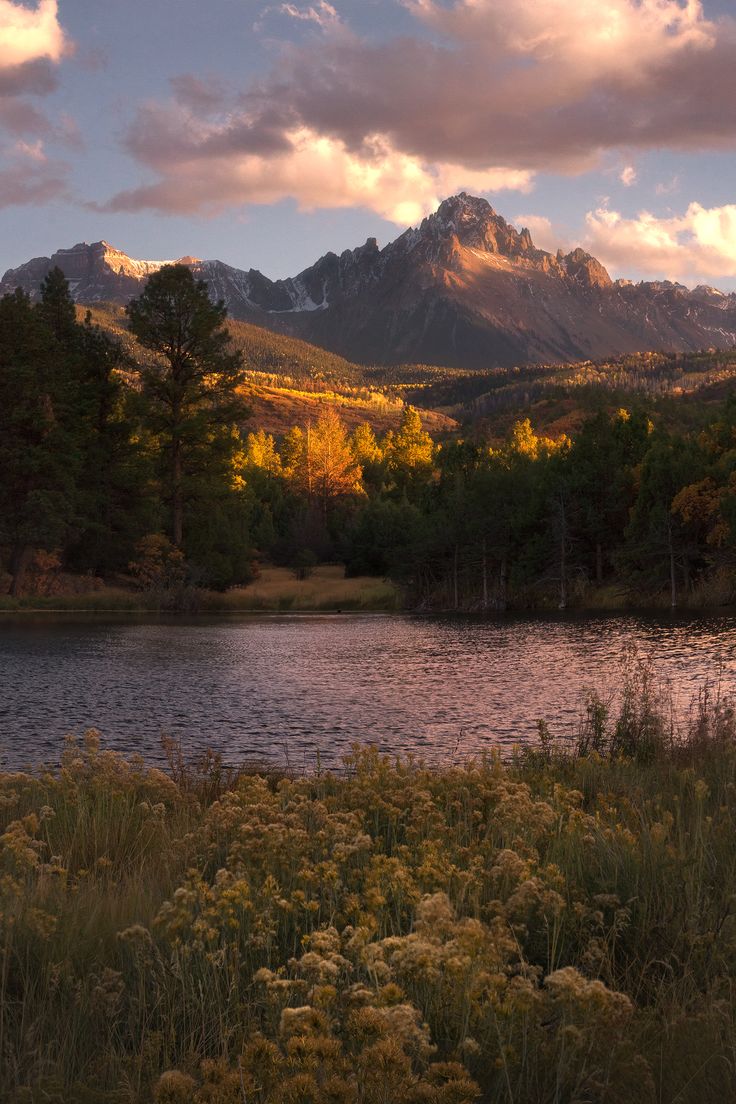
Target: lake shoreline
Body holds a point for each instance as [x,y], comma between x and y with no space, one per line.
[141,609]
[327,589]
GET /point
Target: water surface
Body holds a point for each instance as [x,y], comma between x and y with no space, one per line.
[291,688]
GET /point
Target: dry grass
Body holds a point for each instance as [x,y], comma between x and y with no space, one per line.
[278,409]
[276,590]
[103,600]
[325,589]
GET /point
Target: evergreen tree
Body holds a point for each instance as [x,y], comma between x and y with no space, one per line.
[39,455]
[58,312]
[114,505]
[658,543]
[602,461]
[385,538]
[189,384]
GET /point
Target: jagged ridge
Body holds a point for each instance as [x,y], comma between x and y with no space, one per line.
[465,288]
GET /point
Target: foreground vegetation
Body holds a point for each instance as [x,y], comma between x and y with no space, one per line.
[558,928]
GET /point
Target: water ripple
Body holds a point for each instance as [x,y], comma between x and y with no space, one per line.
[295,687]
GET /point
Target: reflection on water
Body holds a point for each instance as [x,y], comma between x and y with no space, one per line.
[290,688]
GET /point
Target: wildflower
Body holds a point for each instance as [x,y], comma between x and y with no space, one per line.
[136,933]
[301,1021]
[174,1087]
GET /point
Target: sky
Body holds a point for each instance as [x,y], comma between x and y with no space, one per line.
[264,133]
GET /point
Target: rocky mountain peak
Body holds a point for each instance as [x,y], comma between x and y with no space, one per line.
[585,270]
[96,272]
[473,223]
[706,293]
[463,289]
[464,209]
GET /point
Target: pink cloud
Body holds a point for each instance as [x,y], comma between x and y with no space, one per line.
[27,34]
[28,176]
[32,42]
[248,167]
[499,90]
[701,242]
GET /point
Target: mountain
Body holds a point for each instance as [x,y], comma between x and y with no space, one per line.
[463,289]
[264,351]
[99,273]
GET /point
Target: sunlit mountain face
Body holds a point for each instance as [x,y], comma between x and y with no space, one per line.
[266,134]
[464,288]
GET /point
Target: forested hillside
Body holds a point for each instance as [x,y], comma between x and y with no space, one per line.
[133,451]
[263,350]
[558,397]
[495,396]
[286,381]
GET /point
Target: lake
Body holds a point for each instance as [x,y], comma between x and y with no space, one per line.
[295,689]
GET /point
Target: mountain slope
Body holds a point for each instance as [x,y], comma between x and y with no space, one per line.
[290,382]
[263,350]
[464,289]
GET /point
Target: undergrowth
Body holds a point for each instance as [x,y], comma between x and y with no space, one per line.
[559,928]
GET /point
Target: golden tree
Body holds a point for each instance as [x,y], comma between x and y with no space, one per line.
[326,468]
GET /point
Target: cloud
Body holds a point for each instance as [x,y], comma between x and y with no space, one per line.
[699,243]
[207,171]
[35,78]
[27,34]
[28,176]
[628,176]
[322,13]
[486,90]
[667,187]
[33,150]
[197,94]
[595,37]
[534,85]
[32,42]
[18,117]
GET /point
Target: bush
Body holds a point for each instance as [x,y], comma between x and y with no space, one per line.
[304,563]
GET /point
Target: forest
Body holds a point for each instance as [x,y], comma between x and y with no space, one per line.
[142,461]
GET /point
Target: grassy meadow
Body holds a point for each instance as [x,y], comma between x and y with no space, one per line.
[326,588]
[557,928]
[276,590]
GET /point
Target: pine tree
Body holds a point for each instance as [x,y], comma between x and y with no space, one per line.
[57,310]
[39,456]
[114,506]
[190,383]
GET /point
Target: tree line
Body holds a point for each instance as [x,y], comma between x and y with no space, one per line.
[102,457]
[531,520]
[116,465]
